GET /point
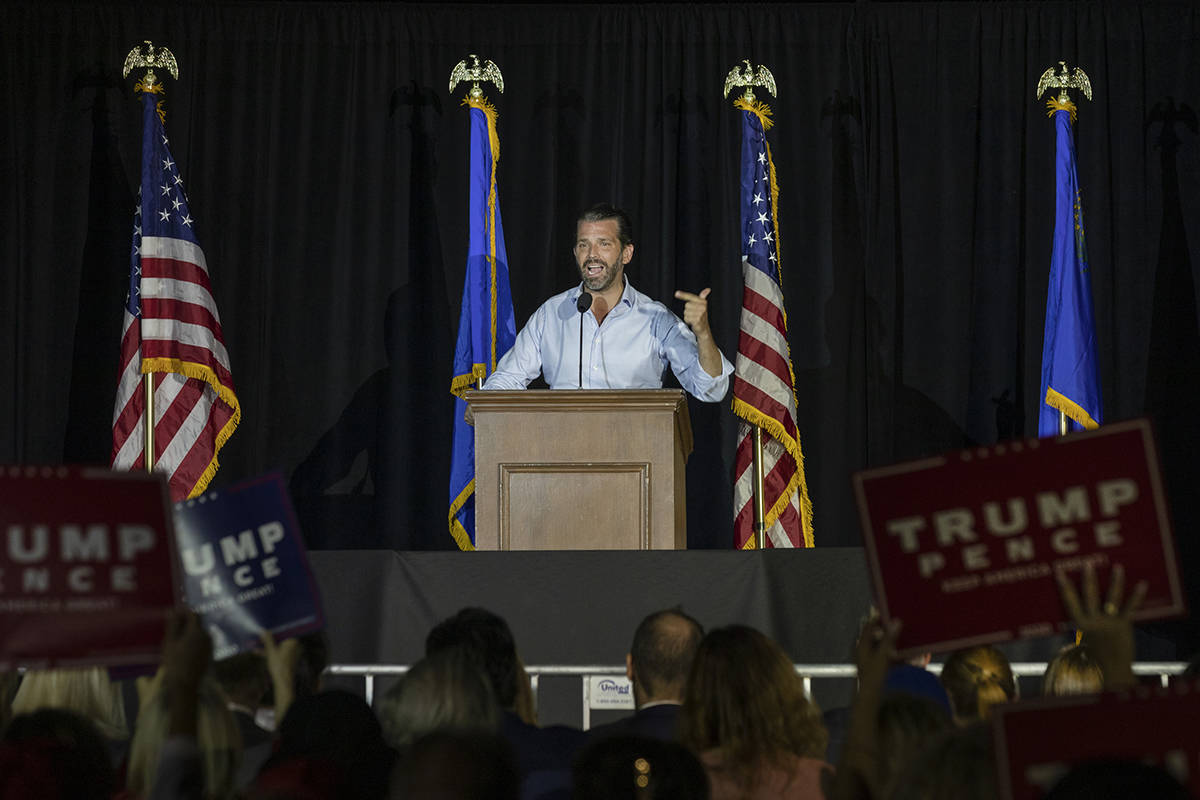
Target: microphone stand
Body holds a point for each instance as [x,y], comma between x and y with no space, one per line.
[582,304]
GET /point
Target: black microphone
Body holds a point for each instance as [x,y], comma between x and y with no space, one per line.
[583,304]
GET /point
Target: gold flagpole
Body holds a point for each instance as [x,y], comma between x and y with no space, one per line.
[148,422]
[760,509]
[149,57]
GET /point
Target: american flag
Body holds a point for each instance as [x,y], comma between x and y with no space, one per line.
[172,331]
[763,384]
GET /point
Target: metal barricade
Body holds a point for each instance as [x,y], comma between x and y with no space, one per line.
[809,672]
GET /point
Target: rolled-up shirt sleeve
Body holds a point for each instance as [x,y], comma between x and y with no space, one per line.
[682,352]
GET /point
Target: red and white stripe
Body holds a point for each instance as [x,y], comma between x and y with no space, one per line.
[179,332]
[763,389]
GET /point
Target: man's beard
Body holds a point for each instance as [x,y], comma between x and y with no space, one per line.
[602,280]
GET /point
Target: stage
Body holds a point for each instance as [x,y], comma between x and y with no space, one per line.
[580,607]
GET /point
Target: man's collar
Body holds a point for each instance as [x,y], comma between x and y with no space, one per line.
[654,703]
[628,294]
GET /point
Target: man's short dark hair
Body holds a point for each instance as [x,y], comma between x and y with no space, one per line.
[603,211]
[487,641]
[663,650]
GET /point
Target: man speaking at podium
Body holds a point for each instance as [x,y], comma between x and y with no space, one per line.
[626,339]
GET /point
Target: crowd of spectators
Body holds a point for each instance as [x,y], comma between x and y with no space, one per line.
[720,714]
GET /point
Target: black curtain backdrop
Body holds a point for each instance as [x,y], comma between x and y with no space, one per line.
[326,166]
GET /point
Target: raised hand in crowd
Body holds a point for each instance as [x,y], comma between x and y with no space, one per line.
[281,665]
[857,775]
[185,742]
[1106,628]
[186,657]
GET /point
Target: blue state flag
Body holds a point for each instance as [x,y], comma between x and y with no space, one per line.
[1070,364]
[486,325]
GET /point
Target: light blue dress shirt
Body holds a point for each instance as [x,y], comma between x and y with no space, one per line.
[639,339]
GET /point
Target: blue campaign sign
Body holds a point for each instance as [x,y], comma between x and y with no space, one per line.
[244,566]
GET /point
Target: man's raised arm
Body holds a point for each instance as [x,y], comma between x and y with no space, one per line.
[695,314]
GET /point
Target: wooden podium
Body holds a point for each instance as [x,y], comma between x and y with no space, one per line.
[581,469]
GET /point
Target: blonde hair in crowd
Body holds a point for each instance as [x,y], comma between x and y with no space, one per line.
[976,679]
[443,691]
[216,733]
[1072,671]
[87,691]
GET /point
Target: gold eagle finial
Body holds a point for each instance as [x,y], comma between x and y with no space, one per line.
[150,57]
[475,73]
[1062,80]
[750,77]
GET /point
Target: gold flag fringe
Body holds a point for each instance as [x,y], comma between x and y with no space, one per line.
[460,534]
[157,89]
[1053,105]
[200,372]
[461,383]
[1072,409]
[759,109]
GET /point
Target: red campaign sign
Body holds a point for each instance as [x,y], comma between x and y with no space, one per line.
[87,566]
[963,548]
[1037,742]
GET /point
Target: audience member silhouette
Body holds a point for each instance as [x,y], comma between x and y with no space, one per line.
[217,737]
[456,765]
[746,714]
[87,691]
[443,691]
[907,724]
[977,678]
[333,734]
[657,665]
[1072,671]
[956,765]
[486,639]
[245,681]
[55,753]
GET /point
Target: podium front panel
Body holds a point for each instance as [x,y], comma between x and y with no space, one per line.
[562,506]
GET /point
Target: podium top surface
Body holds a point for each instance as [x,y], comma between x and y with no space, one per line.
[569,399]
[588,401]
